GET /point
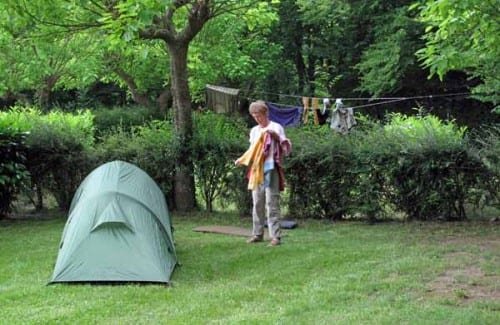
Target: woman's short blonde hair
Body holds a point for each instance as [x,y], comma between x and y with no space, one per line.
[258,106]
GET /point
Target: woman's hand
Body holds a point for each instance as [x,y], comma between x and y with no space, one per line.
[274,135]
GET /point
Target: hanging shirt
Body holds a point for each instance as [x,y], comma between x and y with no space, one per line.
[342,118]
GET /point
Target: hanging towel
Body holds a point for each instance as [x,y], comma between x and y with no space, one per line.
[315,108]
[222,99]
[255,157]
[284,115]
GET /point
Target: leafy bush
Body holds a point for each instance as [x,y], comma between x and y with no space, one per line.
[152,147]
[106,119]
[58,144]
[421,166]
[372,154]
[13,173]
[218,140]
[318,173]
[58,155]
[424,167]
[487,144]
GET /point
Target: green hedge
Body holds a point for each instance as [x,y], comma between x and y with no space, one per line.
[152,147]
[420,166]
[218,141]
[487,149]
[318,174]
[13,173]
[58,149]
[125,118]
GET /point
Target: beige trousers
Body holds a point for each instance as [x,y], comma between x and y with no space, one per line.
[266,207]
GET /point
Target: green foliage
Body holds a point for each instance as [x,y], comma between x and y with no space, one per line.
[58,144]
[424,168]
[463,35]
[351,46]
[152,147]
[64,131]
[13,173]
[420,166]
[372,152]
[235,56]
[387,61]
[105,119]
[487,143]
[318,174]
[40,57]
[217,141]
[138,66]
[418,133]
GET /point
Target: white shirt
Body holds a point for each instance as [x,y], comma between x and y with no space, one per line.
[257,131]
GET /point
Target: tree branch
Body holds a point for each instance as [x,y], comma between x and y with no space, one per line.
[73,27]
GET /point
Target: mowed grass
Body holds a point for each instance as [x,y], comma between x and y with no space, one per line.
[324,273]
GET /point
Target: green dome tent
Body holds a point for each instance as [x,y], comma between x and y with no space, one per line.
[118,229]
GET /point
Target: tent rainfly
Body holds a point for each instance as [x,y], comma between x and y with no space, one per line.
[118,230]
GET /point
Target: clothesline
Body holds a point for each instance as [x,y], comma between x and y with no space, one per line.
[387,100]
[340,115]
[369,98]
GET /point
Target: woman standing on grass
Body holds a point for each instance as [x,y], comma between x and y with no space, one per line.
[268,144]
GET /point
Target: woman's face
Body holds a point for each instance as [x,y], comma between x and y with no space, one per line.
[261,118]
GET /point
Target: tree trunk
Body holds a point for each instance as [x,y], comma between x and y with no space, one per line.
[42,97]
[39,198]
[184,180]
[164,100]
[43,94]
[138,97]
[311,77]
[300,66]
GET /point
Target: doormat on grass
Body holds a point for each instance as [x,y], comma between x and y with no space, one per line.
[244,232]
[228,230]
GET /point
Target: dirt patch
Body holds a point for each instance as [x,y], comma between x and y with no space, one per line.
[467,284]
[466,281]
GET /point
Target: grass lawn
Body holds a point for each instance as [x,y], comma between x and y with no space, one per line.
[324,273]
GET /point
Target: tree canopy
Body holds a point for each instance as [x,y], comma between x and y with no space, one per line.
[465,36]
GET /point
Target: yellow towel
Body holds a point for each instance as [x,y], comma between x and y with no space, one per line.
[255,156]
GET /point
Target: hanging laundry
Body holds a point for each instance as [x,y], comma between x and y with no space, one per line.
[222,99]
[315,109]
[326,105]
[324,112]
[305,104]
[313,106]
[284,115]
[342,118]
